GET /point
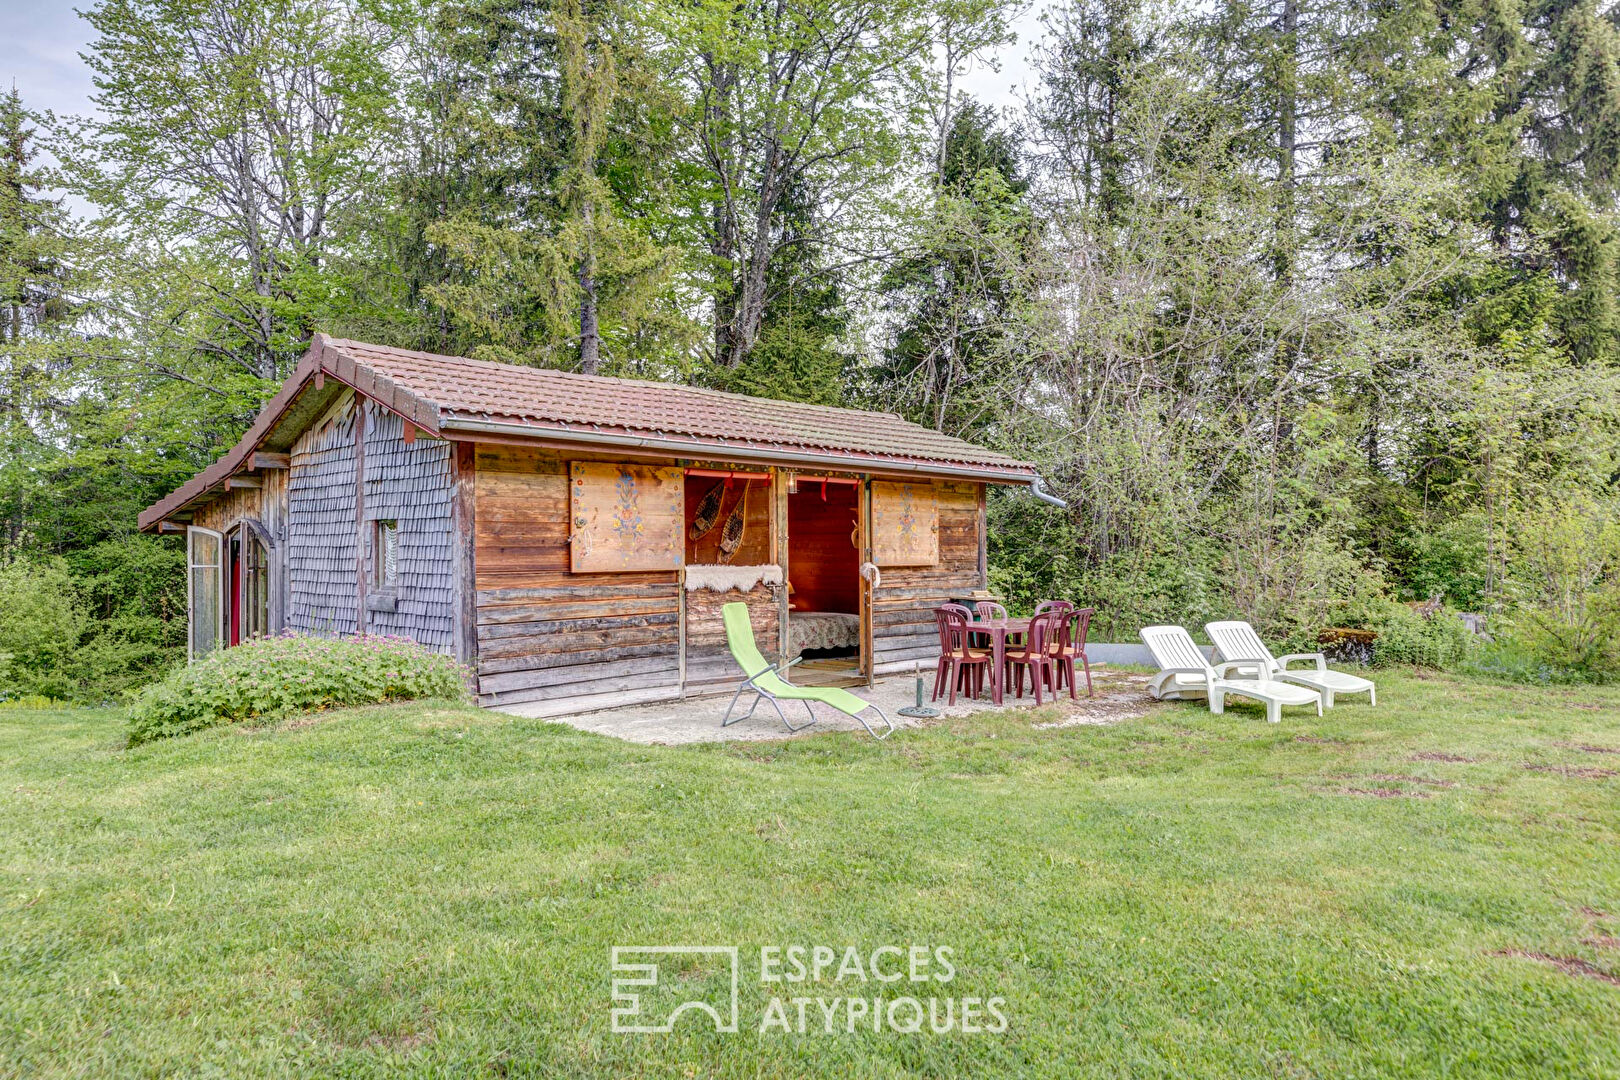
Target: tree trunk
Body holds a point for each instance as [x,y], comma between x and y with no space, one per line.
[1287,134]
[722,223]
[590,340]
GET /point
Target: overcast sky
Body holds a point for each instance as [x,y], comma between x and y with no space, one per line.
[42,60]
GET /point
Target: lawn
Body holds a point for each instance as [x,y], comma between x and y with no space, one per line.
[429,890]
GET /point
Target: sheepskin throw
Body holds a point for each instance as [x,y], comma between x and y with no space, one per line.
[725,578]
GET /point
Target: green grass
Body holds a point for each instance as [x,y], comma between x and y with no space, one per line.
[428,890]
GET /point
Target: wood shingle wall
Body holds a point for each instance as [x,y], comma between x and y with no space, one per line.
[321,586]
[410,484]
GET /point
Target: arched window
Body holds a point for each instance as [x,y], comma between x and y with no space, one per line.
[250,586]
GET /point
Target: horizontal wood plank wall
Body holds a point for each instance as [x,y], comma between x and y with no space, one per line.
[903,605]
[709,666]
[545,634]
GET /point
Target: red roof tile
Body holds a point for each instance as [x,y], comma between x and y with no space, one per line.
[541,397]
[438,393]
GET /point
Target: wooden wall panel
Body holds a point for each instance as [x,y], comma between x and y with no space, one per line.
[708,659]
[520,519]
[546,634]
[903,605]
[755,496]
[626,517]
[551,636]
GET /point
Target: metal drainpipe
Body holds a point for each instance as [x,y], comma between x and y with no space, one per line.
[1038,489]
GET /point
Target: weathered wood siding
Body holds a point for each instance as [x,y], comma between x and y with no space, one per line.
[268,507]
[411,484]
[903,605]
[709,665]
[321,584]
[545,634]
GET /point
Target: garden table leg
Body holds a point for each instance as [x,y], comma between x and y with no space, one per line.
[998,651]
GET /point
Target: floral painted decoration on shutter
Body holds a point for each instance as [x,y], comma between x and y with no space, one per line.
[905,524]
[626,517]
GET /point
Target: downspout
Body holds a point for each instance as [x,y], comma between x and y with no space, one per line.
[1038,489]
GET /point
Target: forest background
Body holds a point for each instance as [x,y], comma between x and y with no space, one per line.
[1309,308]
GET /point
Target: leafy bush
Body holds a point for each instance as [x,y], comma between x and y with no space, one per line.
[270,678]
[1447,559]
[41,622]
[1508,660]
[1406,637]
[1564,587]
[134,589]
[124,653]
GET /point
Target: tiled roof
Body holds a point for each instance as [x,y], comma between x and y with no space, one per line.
[440,394]
[541,397]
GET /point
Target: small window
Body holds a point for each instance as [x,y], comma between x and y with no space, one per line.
[385,566]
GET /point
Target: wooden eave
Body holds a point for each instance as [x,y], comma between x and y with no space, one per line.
[321,375]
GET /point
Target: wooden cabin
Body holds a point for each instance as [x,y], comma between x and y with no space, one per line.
[571,538]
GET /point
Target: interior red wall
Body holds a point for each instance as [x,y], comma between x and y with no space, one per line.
[823,564]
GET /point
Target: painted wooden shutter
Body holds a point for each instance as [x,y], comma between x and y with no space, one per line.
[626,517]
[905,524]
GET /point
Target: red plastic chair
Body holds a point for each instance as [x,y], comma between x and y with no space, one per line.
[959,661]
[1036,655]
[1070,645]
[990,611]
[1053,605]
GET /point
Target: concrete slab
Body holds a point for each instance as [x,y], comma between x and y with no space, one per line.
[1119,696]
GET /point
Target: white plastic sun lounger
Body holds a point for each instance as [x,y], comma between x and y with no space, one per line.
[1236,642]
[1184,672]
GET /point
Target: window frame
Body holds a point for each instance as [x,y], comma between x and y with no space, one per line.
[380,582]
[220,589]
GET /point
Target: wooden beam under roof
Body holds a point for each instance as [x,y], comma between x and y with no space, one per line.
[232,483]
[264,459]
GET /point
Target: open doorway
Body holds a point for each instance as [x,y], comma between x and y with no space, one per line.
[247,581]
[824,585]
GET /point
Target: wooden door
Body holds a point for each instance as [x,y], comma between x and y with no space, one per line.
[864,502]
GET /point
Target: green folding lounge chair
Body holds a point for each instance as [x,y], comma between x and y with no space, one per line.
[767,684]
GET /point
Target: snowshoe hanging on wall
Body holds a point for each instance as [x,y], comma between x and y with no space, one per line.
[731,537]
[708,511]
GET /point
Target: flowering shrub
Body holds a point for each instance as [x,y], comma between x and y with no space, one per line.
[267,679]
